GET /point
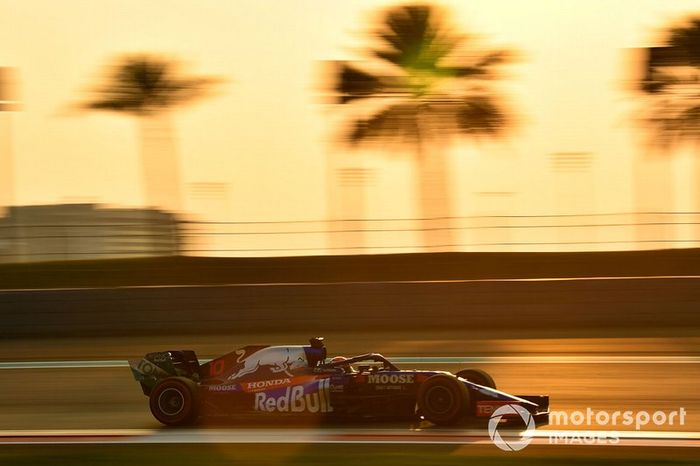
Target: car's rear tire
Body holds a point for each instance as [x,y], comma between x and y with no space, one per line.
[175,402]
[443,399]
[478,377]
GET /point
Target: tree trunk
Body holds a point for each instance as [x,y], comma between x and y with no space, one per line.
[433,198]
[161,172]
[653,193]
[695,233]
[6,163]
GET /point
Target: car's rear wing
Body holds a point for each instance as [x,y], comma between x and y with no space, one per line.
[155,366]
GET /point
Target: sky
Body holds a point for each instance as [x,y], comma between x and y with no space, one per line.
[266,135]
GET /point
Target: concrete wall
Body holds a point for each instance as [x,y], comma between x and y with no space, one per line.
[593,308]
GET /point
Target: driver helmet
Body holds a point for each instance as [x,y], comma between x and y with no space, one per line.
[339,359]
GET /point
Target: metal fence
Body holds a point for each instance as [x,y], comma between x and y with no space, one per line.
[161,237]
[605,231]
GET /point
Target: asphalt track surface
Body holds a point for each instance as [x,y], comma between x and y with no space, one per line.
[95,401]
[339,436]
[80,398]
[363,282]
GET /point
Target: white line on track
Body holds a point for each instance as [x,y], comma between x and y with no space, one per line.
[405,360]
[330,435]
[392,282]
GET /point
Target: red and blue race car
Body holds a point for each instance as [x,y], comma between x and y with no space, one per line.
[300,380]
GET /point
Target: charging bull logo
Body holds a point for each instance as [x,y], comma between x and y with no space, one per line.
[277,359]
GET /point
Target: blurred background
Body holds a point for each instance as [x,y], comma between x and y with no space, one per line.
[268,129]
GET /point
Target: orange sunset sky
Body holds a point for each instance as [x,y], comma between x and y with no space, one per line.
[266,134]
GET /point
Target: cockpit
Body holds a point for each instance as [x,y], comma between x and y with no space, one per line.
[370,362]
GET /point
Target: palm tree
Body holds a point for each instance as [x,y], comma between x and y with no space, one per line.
[672,85]
[149,88]
[673,79]
[427,84]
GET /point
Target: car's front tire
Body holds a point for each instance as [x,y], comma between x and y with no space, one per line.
[175,402]
[443,399]
[477,376]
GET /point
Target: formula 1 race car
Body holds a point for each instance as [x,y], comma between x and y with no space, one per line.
[298,380]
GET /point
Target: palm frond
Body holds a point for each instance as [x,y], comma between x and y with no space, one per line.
[686,40]
[433,86]
[394,124]
[354,83]
[141,84]
[672,82]
[481,115]
[688,123]
[414,37]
